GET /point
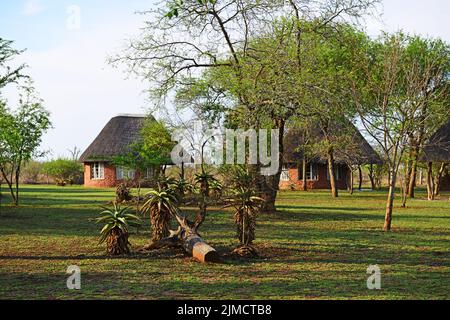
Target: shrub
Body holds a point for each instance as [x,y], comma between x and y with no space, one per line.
[64,171]
[31,172]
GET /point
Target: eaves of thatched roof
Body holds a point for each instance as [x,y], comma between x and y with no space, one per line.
[437,148]
[360,152]
[115,139]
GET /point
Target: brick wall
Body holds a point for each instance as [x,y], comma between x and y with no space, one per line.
[321,183]
[109,181]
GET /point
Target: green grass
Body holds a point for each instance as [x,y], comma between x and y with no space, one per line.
[314,248]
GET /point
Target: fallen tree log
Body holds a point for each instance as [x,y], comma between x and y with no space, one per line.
[188,238]
[194,245]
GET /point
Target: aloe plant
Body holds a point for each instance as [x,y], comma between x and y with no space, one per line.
[115,230]
[161,205]
[246,203]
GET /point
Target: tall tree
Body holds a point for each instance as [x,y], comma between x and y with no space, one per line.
[20,136]
[387,86]
[207,34]
[431,59]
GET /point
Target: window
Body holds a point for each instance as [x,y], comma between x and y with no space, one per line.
[124,173]
[98,170]
[336,173]
[285,174]
[312,172]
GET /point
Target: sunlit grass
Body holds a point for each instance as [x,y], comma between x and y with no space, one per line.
[314,248]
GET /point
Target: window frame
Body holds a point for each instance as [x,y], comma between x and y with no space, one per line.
[337,173]
[285,174]
[123,173]
[312,172]
[98,170]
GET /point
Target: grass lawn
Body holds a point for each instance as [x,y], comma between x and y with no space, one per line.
[314,248]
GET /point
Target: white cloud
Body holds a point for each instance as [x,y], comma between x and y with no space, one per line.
[32,7]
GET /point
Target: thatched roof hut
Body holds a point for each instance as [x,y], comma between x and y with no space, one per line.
[356,151]
[115,138]
[437,148]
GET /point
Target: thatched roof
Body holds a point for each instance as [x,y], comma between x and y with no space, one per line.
[115,138]
[356,151]
[438,146]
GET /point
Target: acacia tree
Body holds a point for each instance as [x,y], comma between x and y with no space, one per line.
[430,58]
[8,75]
[387,85]
[20,136]
[194,35]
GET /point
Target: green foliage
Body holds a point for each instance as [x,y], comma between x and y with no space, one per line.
[152,150]
[246,204]
[116,218]
[161,205]
[175,6]
[63,170]
[7,73]
[21,133]
[157,143]
[32,171]
[327,241]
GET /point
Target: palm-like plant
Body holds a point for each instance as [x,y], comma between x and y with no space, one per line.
[246,204]
[182,187]
[216,188]
[115,231]
[161,205]
[163,182]
[204,180]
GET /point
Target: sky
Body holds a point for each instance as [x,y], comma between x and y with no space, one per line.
[67,44]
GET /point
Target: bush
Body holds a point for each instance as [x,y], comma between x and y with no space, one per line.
[32,171]
[64,171]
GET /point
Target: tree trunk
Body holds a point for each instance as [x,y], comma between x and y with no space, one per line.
[407,173]
[182,174]
[270,185]
[194,245]
[188,238]
[372,178]
[412,173]
[360,178]
[330,157]
[437,181]
[9,182]
[390,201]
[350,179]
[305,181]
[269,190]
[412,180]
[430,181]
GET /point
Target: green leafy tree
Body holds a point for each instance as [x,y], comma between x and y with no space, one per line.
[20,136]
[391,88]
[64,171]
[217,36]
